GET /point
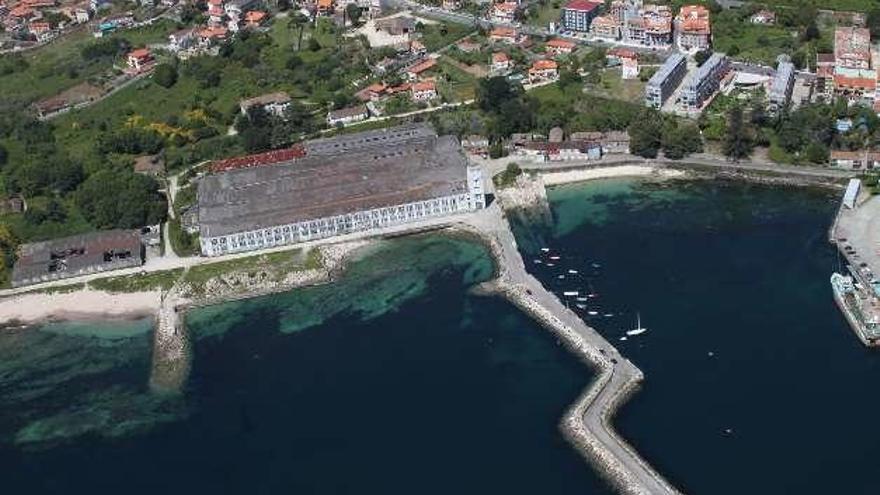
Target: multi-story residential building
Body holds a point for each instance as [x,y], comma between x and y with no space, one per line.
[854,75]
[705,82]
[693,30]
[782,85]
[361,182]
[606,26]
[500,63]
[852,48]
[664,82]
[577,15]
[824,75]
[652,27]
[504,12]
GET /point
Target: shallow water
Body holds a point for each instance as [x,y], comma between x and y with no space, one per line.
[393,380]
[754,381]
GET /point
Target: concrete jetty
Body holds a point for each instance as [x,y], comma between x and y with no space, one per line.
[587,424]
[172,353]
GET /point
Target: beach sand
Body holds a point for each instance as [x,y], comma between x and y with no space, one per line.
[568,176]
[85,304]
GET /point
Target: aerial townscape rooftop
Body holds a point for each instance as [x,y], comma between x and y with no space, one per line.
[224,223]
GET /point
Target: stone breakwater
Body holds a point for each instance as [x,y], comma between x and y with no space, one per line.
[172,353]
[587,423]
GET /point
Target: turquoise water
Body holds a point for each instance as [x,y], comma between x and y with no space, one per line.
[393,380]
[754,382]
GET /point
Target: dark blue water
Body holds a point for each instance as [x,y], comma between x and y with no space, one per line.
[754,382]
[394,380]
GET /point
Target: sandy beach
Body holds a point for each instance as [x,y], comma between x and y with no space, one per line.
[568,176]
[85,304]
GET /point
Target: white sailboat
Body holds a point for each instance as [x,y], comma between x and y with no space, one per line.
[639,329]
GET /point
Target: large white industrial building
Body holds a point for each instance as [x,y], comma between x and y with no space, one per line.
[351,183]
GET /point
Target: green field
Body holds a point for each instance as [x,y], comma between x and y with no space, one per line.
[60,64]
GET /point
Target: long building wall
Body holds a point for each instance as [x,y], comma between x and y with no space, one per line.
[359,221]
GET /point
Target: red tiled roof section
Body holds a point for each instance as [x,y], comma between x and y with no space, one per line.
[560,43]
[582,5]
[268,158]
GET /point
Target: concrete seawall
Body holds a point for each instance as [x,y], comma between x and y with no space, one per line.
[587,423]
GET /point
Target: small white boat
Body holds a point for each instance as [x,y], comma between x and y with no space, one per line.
[561,277]
[608,315]
[554,258]
[551,264]
[573,272]
[546,250]
[597,265]
[639,329]
[570,293]
[538,262]
[581,306]
[592,313]
[582,299]
[592,295]
[623,338]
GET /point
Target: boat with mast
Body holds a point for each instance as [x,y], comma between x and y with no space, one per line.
[639,329]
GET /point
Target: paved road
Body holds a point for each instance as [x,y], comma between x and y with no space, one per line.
[494,166]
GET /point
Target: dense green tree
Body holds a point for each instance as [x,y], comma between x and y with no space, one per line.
[681,140]
[873,22]
[165,75]
[645,134]
[494,91]
[353,11]
[120,199]
[130,140]
[739,140]
[816,153]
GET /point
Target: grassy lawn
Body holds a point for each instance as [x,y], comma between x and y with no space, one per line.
[436,36]
[544,12]
[856,5]
[613,86]
[457,84]
[734,35]
[163,280]
[60,65]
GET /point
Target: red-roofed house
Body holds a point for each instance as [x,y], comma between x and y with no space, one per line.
[558,46]
[500,62]
[424,91]
[543,70]
[416,70]
[42,31]
[503,34]
[577,15]
[139,59]
[255,18]
[504,12]
[692,28]
[212,34]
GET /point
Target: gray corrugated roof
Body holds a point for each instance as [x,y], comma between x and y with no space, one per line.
[333,180]
[666,69]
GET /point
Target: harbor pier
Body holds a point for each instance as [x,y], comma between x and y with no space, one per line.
[587,423]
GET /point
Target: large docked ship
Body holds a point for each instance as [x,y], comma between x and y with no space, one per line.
[859,306]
